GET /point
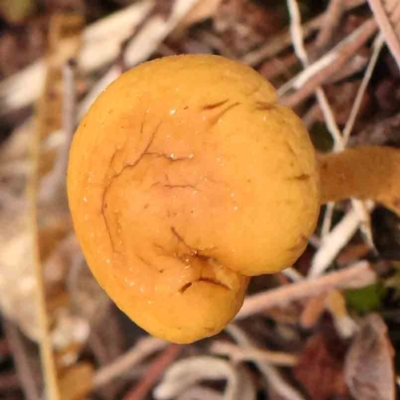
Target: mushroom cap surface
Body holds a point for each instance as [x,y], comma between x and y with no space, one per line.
[185,178]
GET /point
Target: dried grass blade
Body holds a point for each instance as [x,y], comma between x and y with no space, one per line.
[64,43]
[387,15]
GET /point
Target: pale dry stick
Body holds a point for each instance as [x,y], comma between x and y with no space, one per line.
[270,373]
[331,18]
[388,18]
[333,60]
[356,276]
[239,354]
[127,361]
[293,274]
[339,138]
[327,220]
[153,373]
[361,209]
[283,40]
[155,32]
[145,42]
[200,392]
[377,47]
[279,43]
[299,48]
[21,361]
[305,75]
[334,242]
[137,51]
[298,44]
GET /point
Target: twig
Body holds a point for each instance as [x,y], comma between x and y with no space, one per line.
[146,40]
[239,354]
[153,373]
[270,373]
[278,43]
[334,242]
[127,361]
[283,40]
[362,209]
[327,220]
[339,143]
[312,70]
[331,20]
[292,274]
[377,47]
[356,276]
[24,371]
[298,44]
[332,61]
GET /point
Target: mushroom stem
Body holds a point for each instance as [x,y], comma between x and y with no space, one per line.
[364,173]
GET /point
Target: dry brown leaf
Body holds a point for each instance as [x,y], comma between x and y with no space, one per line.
[387,15]
[369,369]
[65,40]
[320,370]
[76,382]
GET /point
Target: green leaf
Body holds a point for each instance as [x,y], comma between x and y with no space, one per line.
[366,299]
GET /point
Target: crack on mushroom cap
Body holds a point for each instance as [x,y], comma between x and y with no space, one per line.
[212,106]
[215,282]
[148,156]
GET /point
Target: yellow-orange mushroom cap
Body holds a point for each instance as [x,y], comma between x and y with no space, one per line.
[185,178]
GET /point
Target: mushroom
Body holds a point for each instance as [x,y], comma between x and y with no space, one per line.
[371,172]
[186,178]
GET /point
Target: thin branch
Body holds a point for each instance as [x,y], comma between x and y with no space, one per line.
[327,220]
[153,373]
[377,47]
[127,361]
[280,42]
[240,354]
[331,21]
[334,242]
[331,61]
[270,373]
[356,276]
